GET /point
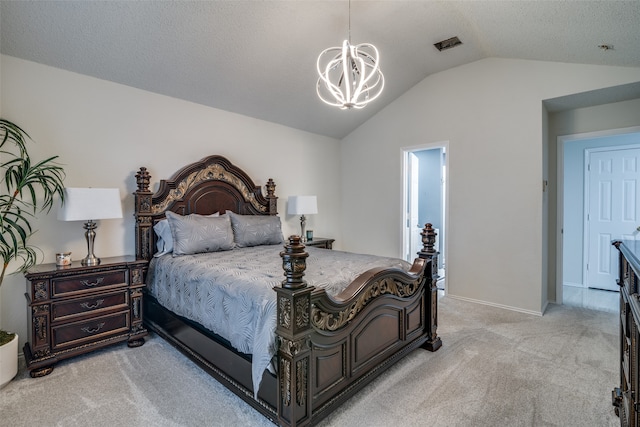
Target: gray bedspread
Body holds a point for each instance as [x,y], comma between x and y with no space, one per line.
[231,292]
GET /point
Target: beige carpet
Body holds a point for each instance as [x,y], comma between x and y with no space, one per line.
[496,368]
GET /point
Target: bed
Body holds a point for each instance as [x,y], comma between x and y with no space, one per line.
[327,344]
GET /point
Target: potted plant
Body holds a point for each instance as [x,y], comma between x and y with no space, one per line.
[26,188]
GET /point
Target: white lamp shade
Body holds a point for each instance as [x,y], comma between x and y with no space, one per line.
[302,205]
[82,204]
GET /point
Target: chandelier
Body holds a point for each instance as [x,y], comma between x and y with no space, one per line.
[350,76]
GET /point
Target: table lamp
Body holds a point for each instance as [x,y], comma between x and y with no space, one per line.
[89,204]
[302,205]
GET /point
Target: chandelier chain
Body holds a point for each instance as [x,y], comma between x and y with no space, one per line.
[349,22]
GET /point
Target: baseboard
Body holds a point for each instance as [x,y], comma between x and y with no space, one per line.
[22,364]
[544,307]
[505,307]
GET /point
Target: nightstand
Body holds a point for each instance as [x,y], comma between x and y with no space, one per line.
[77,309]
[320,242]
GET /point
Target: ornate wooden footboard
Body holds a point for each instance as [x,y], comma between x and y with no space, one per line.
[328,348]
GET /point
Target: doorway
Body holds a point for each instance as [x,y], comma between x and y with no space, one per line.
[425,200]
[593,194]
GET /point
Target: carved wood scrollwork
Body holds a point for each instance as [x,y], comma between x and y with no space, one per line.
[40,290]
[40,317]
[302,312]
[213,172]
[136,304]
[136,276]
[45,352]
[285,381]
[332,321]
[301,386]
[292,347]
[285,312]
[136,308]
[144,246]
[145,203]
[135,329]
[40,326]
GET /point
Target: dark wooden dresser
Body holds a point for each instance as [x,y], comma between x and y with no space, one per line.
[625,397]
[77,309]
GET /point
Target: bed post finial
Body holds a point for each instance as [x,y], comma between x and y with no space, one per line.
[271,197]
[428,239]
[293,331]
[143,178]
[430,253]
[271,187]
[294,263]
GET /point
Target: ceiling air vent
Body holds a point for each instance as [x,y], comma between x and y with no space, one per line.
[448,43]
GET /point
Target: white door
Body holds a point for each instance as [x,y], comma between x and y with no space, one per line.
[613,194]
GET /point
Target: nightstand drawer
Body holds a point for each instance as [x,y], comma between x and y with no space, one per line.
[68,309]
[82,283]
[73,334]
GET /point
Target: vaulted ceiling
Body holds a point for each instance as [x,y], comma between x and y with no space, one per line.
[258,58]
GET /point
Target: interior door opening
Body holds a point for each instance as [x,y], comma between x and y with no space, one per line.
[425,200]
[598,201]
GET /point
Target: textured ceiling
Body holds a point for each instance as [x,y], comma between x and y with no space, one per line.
[258,58]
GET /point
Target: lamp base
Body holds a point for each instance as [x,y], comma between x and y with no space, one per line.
[90,235]
[90,260]
[303,222]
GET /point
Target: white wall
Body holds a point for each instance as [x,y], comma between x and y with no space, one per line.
[491,113]
[104,132]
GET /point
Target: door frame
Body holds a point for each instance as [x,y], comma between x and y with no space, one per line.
[404,155]
[561,141]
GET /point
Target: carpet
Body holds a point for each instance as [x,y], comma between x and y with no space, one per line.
[495,368]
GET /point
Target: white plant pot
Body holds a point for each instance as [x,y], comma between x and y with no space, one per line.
[8,361]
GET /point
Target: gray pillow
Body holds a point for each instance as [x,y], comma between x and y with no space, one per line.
[255,230]
[196,233]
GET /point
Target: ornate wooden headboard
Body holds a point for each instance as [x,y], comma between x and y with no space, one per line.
[210,185]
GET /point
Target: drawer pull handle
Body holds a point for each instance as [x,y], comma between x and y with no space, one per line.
[93,330]
[88,306]
[92,284]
